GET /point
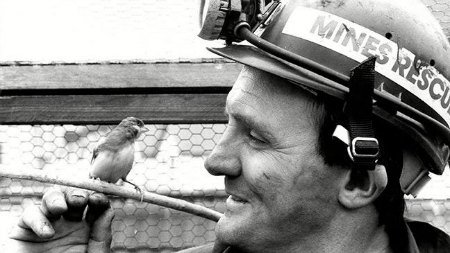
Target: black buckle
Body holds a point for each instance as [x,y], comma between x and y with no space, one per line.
[364,148]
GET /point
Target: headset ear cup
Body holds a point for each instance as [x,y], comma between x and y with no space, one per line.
[414,176]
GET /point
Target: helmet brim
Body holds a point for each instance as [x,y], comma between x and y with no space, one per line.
[257,58]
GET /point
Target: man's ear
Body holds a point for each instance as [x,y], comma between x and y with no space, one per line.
[360,188]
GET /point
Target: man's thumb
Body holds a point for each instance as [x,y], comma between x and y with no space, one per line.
[101,236]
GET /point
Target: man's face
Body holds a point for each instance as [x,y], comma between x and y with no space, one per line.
[280,189]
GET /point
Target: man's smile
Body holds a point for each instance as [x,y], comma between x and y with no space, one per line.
[235,202]
[237,199]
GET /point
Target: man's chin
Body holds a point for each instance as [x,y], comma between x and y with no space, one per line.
[230,231]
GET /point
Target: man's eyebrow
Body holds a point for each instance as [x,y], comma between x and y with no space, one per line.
[242,117]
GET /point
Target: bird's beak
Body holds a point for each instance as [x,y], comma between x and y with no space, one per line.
[144,129]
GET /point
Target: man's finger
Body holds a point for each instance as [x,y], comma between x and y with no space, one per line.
[33,220]
[101,236]
[98,203]
[53,203]
[76,200]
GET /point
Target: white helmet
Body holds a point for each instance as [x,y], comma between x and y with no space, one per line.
[318,44]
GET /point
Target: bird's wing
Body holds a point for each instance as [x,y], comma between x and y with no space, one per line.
[110,165]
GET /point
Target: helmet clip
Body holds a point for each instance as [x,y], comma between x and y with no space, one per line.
[360,148]
[363,147]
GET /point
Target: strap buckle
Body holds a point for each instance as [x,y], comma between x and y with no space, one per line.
[364,148]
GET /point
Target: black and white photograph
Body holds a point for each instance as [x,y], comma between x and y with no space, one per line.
[225,126]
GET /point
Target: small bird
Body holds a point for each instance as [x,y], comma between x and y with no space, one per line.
[113,158]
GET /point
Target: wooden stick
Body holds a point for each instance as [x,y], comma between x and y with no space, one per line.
[107,188]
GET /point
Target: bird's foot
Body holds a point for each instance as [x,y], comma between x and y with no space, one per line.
[138,189]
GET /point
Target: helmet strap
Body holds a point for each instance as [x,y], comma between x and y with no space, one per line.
[363,147]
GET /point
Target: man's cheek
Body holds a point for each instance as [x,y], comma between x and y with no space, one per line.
[265,173]
[269,185]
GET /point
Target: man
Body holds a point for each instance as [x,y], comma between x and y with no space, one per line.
[284,196]
[308,169]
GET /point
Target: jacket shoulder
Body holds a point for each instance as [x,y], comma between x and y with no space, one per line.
[429,238]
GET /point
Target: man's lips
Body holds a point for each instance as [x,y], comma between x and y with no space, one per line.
[235,204]
[237,199]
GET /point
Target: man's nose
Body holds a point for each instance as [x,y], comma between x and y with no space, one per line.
[224,159]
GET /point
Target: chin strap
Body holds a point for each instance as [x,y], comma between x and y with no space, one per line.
[363,147]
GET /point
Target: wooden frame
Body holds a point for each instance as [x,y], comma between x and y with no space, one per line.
[104,94]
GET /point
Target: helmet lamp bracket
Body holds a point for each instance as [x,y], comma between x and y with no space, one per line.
[219,19]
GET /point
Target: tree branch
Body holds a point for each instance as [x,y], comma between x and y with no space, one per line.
[112,189]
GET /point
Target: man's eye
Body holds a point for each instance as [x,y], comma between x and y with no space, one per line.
[256,137]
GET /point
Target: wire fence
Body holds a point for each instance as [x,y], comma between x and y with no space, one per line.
[169,161]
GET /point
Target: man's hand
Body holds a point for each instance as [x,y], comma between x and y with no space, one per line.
[61,224]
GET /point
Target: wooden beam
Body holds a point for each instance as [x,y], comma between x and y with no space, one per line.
[115,76]
[110,109]
[105,94]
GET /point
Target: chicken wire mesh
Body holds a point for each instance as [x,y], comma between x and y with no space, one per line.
[168,160]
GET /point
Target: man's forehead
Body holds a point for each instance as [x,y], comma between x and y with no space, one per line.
[267,88]
[253,84]
[251,108]
[251,96]
[247,91]
[253,79]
